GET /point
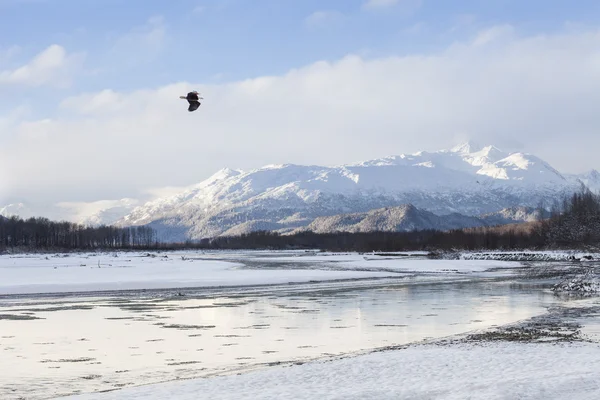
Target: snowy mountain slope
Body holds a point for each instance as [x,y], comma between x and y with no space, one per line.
[514,214]
[408,217]
[468,179]
[590,179]
[393,219]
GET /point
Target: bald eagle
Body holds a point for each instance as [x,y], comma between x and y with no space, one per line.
[193,99]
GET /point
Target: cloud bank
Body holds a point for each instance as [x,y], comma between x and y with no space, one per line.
[538,93]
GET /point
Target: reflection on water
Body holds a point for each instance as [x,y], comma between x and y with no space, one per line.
[115,342]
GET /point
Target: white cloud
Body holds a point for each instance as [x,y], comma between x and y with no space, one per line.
[34,131]
[53,66]
[541,92]
[104,101]
[12,118]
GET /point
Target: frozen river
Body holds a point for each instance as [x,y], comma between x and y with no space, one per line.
[56,344]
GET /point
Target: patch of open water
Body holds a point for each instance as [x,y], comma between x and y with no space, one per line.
[49,350]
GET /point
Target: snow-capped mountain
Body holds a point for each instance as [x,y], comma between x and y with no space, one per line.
[468,179]
[474,181]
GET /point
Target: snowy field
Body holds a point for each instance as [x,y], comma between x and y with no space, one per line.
[30,274]
[230,324]
[133,271]
[466,371]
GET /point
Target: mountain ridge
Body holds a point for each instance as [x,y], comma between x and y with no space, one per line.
[408,217]
[469,179]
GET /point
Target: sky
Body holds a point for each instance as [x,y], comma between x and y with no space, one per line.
[89,89]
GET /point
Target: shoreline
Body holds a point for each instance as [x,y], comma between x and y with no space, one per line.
[549,329]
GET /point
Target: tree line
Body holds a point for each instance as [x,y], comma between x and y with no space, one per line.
[43,234]
[573,223]
[426,240]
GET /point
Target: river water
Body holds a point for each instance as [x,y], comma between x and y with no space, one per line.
[55,347]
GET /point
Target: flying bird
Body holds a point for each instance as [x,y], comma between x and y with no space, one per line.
[193,99]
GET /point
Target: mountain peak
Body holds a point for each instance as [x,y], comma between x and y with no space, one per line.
[222,174]
[591,179]
[467,147]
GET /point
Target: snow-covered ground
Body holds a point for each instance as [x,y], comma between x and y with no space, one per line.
[56,346]
[126,271]
[466,371]
[35,273]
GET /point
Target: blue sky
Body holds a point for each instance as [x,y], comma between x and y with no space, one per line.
[88,81]
[238,39]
